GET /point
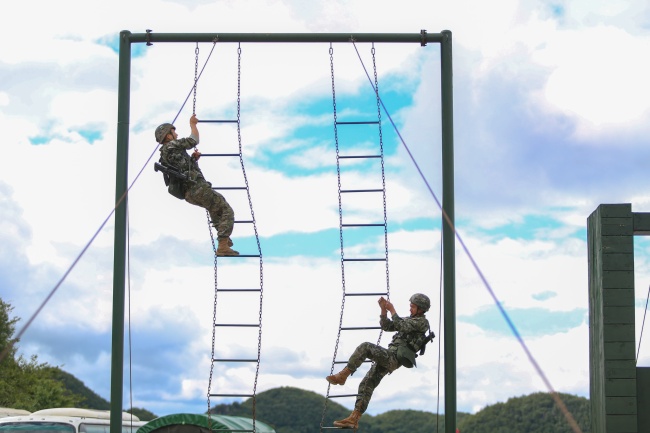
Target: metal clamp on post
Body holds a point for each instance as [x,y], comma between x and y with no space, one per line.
[423,38]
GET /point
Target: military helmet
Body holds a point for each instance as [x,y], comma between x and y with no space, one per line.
[162,131]
[421,301]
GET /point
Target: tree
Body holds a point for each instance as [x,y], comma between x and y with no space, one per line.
[143,414]
[26,384]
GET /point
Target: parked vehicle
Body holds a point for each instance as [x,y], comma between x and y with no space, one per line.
[9,411]
[67,420]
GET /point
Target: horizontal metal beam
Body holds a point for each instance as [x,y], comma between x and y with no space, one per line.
[150,37]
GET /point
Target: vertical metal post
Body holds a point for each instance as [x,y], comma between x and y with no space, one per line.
[119,254]
[448,231]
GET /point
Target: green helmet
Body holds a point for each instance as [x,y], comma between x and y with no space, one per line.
[162,131]
[422,301]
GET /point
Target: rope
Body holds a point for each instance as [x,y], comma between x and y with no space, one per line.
[128,267]
[439,333]
[118,202]
[558,401]
[643,324]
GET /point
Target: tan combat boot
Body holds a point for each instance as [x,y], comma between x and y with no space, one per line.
[340,377]
[223,249]
[350,422]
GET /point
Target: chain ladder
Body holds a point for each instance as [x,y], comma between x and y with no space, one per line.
[259,248]
[214,321]
[383,177]
[338,173]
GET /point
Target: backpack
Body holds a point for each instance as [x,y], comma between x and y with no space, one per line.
[174,179]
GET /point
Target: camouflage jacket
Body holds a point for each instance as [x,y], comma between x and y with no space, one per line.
[411,331]
[174,153]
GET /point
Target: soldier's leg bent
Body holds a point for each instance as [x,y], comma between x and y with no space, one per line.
[368,385]
[370,351]
[222,216]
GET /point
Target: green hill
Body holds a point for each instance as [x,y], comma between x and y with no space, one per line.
[534,413]
[293,410]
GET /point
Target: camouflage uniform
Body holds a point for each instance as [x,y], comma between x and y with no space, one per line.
[409,337]
[198,191]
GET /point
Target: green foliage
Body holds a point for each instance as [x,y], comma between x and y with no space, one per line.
[30,385]
[287,410]
[293,410]
[143,414]
[26,384]
[535,413]
[7,329]
[88,399]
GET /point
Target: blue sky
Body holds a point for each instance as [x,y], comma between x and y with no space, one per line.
[550,120]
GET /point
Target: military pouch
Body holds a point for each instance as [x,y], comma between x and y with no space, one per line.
[406,357]
[176,188]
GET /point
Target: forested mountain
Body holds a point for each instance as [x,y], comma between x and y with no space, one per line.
[28,384]
[292,410]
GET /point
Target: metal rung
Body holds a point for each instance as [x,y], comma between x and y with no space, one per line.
[233,360]
[232,395]
[368,122]
[219,154]
[365,260]
[345,362]
[238,325]
[239,255]
[360,190]
[358,156]
[239,290]
[360,328]
[343,395]
[240,221]
[229,187]
[364,225]
[217,121]
[367,294]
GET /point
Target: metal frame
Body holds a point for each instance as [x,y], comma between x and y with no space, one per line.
[121,183]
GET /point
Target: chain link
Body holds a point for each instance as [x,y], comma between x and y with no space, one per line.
[214,317]
[196,76]
[259,248]
[383,176]
[338,174]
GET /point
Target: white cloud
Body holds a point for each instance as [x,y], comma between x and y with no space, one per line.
[525,106]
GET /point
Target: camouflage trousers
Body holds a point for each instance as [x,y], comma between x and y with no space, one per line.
[222,216]
[384,362]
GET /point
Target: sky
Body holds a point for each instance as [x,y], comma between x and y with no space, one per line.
[551,119]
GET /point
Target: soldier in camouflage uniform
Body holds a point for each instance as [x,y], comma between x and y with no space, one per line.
[198,191]
[410,337]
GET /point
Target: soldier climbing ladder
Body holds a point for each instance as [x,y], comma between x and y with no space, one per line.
[243,291]
[351,138]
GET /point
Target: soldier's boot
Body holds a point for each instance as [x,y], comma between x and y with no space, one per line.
[223,249]
[229,240]
[351,421]
[340,377]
